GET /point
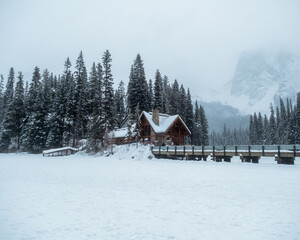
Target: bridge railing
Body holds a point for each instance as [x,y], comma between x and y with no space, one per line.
[229,148]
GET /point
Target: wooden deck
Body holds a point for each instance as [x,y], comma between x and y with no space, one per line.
[282,154]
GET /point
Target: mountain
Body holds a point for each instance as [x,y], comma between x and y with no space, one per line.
[217,114]
[261,78]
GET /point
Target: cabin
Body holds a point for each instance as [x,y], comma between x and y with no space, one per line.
[120,136]
[162,129]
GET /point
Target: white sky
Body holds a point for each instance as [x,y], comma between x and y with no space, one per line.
[197,42]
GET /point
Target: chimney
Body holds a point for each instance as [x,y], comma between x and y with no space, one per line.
[155,116]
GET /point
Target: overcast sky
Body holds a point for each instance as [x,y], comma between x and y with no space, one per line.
[197,42]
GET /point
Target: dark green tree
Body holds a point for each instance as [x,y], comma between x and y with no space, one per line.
[189,115]
[272,127]
[150,93]
[108,101]
[175,99]
[80,100]
[137,91]
[204,127]
[120,103]
[1,100]
[158,93]
[182,103]
[166,95]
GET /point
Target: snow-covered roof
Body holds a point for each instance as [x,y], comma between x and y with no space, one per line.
[122,132]
[59,149]
[165,121]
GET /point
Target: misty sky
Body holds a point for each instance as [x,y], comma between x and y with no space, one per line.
[197,42]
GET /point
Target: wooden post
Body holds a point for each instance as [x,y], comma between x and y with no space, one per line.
[278,147]
[294,150]
[193,150]
[224,151]
[159,150]
[235,150]
[202,151]
[214,152]
[263,150]
[249,150]
[175,151]
[183,150]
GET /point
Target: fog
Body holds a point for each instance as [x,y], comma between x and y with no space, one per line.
[196,42]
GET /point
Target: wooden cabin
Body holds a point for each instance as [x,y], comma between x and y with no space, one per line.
[161,129]
[120,136]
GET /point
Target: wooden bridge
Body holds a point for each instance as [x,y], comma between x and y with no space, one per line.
[283,154]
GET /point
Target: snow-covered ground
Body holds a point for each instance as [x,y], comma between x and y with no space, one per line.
[131,196]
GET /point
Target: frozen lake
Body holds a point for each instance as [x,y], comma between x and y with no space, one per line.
[120,197]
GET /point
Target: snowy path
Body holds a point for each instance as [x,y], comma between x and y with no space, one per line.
[86,197]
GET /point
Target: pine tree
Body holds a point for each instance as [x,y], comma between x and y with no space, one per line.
[204,127]
[17,111]
[70,115]
[283,124]
[252,130]
[137,91]
[255,121]
[96,125]
[93,88]
[1,100]
[213,138]
[197,126]
[297,116]
[272,127]
[182,103]
[6,131]
[46,89]
[33,90]
[5,137]
[224,136]
[142,87]
[166,95]
[174,99]
[158,94]
[130,123]
[150,92]
[80,100]
[120,103]
[58,117]
[265,130]
[37,133]
[108,103]
[131,91]
[9,91]
[292,127]
[136,131]
[259,129]
[189,114]
[278,127]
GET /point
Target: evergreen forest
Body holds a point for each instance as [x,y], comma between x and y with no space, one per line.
[52,111]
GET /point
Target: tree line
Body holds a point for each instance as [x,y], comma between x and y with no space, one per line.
[59,110]
[282,126]
[230,137]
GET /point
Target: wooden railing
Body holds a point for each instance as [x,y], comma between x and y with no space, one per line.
[246,152]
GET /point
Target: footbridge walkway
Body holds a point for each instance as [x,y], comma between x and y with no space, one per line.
[283,154]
